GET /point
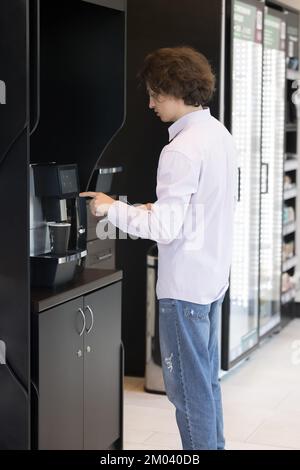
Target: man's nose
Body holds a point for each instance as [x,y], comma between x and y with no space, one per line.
[151,103]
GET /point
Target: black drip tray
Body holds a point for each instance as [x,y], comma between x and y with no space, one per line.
[70,255]
[48,270]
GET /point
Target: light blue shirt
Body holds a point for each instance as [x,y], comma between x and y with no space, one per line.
[192,219]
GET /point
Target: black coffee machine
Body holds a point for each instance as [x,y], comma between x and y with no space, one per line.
[54,197]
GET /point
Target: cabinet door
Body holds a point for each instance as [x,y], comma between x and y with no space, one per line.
[241,306]
[273,118]
[102,391]
[61,377]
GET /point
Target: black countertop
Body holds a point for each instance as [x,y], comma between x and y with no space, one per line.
[88,281]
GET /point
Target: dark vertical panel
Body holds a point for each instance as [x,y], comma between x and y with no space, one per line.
[14,275]
[81,82]
[14,415]
[14,290]
[14,280]
[13,50]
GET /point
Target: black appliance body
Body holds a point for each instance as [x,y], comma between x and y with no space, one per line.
[54,197]
[101,234]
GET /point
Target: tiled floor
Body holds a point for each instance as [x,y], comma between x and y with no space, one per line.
[261,400]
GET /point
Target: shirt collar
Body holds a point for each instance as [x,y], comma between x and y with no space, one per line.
[184,121]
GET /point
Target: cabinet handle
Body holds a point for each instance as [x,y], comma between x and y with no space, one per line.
[84,321]
[239,184]
[266,166]
[88,330]
[104,257]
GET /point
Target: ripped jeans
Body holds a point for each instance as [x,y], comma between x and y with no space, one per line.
[190,362]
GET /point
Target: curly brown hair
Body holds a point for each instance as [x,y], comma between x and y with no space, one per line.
[181,72]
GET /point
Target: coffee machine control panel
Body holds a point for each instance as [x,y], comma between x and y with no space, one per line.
[68,181]
[56,181]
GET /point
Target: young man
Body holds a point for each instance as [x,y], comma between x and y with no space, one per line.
[192,223]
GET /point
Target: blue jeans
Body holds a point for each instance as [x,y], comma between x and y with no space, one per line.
[190,363]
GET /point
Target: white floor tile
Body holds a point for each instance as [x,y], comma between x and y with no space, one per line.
[136,435]
[149,419]
[231,445]
[241,422]
[282,429]
[291,403]
[141,398]
[254,395]
[261,401]
[168,440]
[132,446]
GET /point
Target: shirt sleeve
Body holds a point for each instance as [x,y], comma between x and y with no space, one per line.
[177,180]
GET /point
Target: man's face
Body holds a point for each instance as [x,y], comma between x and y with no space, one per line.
[165,107]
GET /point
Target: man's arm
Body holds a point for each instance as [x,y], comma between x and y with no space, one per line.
[162,221]
[100,203]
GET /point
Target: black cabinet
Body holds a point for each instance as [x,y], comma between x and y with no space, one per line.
[60,384]
[102,386]
[79,372]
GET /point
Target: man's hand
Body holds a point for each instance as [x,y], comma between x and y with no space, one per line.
[99,204]
[146,207]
